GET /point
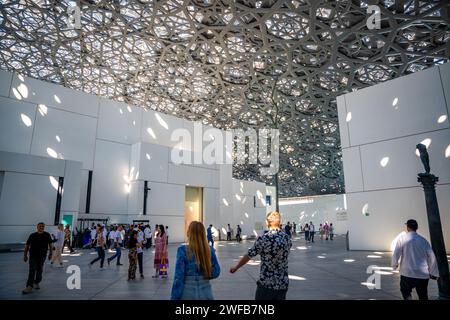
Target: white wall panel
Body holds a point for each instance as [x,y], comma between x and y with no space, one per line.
[161,127]
[342,114]
[175,224]
[165,199]
[404,164]
[15,135]
[109,193]
[136,198]
[352,169]
[27,199]
[119,122]
[18,234]
[26,163]
[444,71]
[72,187]
[194,176]
[321,209]
[153,162]
[211,206]
[5,82]
[374,117]
[76,134]
[388,212]
[84,176]
[41,92]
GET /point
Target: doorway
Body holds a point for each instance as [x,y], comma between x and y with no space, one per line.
[193,206]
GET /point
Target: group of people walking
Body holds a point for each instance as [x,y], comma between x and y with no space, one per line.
[197,263]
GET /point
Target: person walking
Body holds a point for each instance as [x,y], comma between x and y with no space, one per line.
[331,231]
[209,235]
[273,247]
[140,251]
[58,245]
[306,229]
[118,246]
[312,231]
[196,265]
[68,238]
[295,228]
[287,229]
[326,230]
[229,231]
[238,233]
[417,262]
[35,252]
[111,238]
[100,247]
[133,245]
[161,254]
[148,237]
[321,232]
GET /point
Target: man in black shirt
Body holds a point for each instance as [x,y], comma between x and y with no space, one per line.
[37,245]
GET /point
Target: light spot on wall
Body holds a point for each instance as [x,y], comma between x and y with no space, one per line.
[255,233]
[384,162]
[23,90]
[21,78]
[349,117]
[224,231]
[148,156]
[447,151]
[58,138]
[26,120]
[134,122]
[150,132]
[120,110]
[57,99]
[395,102]
[161,121]
[349,260]
[52,153]
[129,109]
[42,109]
[238,197]
[365,210]
[54,182]
[17,94]
[321,257]
[246,214]
[225,202]
[442,118]
[292,277]
[127,188]
[242,222]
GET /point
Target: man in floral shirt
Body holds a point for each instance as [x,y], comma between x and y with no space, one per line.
[273,247]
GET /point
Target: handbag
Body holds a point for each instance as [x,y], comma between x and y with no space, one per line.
[163,266]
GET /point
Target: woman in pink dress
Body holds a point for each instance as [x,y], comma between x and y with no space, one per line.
[161,252]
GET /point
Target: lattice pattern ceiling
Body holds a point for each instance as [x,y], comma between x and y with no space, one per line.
[218,61]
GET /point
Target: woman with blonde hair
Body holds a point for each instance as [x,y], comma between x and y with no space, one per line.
[196,265]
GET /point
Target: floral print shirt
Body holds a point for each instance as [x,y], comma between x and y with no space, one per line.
[273,247]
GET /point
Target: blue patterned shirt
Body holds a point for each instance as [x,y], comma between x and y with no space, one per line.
[273,247]
[188,267]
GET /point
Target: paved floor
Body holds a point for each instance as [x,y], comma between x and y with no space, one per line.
[318,271]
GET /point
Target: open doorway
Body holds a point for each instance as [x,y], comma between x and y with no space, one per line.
[193,206]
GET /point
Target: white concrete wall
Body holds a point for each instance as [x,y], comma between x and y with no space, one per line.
[318,209]
[124,146]
[386,121]
[28,195]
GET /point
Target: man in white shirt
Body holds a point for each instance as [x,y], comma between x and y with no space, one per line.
[140,252]
[312,231]
[148,236]
[417,262]
[118,238]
